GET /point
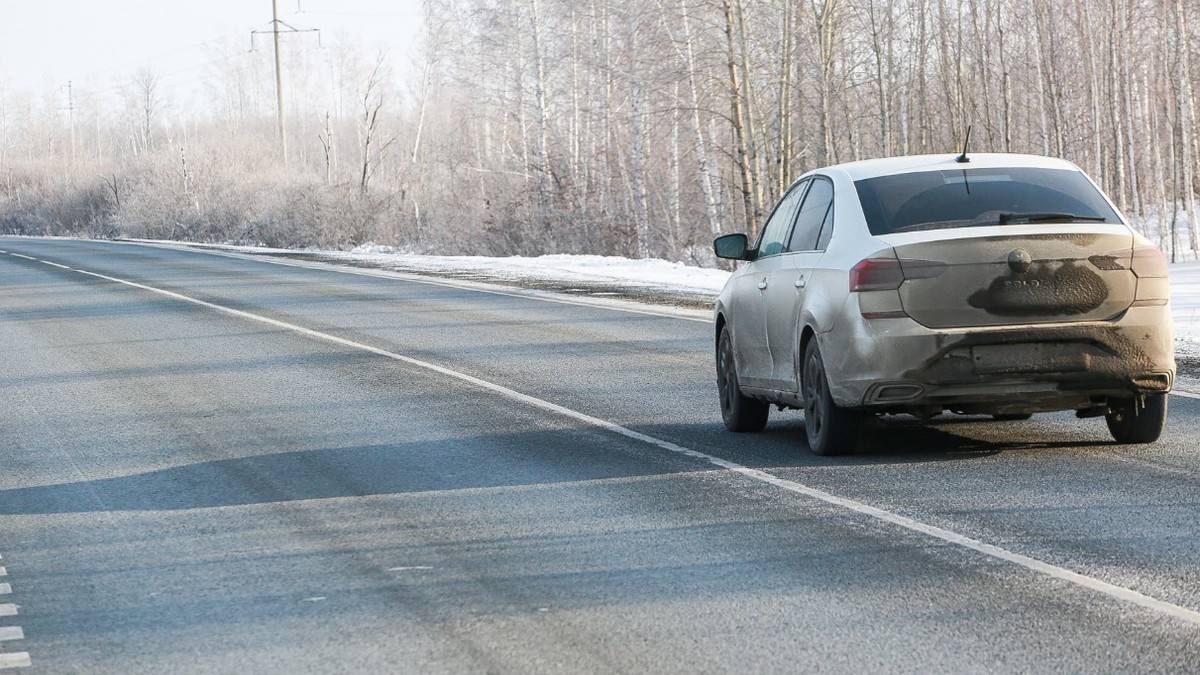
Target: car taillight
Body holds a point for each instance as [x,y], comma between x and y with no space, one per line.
[886,274]
[1149,262]
[1150,267]
[876,274]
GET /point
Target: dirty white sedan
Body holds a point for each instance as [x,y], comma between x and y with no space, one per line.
[994,284]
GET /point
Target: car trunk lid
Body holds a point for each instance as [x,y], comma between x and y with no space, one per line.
[1042,274]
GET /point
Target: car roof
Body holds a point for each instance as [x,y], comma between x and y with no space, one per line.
[870,168]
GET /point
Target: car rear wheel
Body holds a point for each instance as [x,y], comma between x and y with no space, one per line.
[740,412]
[831,430]
[1135,421]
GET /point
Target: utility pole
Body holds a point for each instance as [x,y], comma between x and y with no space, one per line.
[71,117]
[275,31]
[279,81]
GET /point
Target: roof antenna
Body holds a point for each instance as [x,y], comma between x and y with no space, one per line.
[963,159]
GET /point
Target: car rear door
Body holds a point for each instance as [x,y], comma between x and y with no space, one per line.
[749,316]
[787,283]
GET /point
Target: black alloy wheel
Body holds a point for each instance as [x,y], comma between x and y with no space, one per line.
[739,412]
[830,430]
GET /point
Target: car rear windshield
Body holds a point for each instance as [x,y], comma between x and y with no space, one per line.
[929,200]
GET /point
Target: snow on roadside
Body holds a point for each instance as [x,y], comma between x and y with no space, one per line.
[1185,310]
[650,273]
[1185,300]
[656,275]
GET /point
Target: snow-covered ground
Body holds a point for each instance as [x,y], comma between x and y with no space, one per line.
[657,276]
[651,274]
[1185,301]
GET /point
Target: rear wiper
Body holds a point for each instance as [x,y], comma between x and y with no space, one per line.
[1047,217]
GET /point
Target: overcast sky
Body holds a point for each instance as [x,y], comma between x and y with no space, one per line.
[101,43]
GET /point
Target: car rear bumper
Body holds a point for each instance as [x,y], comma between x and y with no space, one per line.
[897,364]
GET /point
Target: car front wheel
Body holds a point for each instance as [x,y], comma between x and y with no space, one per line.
[740,412]
[831,430]
[1134,421]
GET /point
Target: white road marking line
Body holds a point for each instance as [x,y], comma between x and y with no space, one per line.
[3,571]
[54,264]
[18,255]
[1186,394]
[458,284]
[15,660]
[1053,571]
[317,598]
[10,633]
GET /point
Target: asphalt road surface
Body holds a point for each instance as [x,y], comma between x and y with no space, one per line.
[212,463]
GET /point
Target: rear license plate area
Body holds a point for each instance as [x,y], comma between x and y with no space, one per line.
[1051,357]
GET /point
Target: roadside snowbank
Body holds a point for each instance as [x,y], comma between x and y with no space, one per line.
[654,273]
[651,273]
[655,276]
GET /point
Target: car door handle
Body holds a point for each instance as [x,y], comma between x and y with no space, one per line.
[801,282]
[762,285]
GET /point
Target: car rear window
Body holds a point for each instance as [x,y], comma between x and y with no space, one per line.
[929,200]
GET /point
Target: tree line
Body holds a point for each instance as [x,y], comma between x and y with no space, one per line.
[628,127]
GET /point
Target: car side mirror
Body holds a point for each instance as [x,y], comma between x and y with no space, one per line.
[732,247]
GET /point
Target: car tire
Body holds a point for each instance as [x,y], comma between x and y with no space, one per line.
[1129,422]
[740,412]
[831,430]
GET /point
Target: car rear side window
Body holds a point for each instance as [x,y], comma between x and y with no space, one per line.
[929,200]
[778,226]
[814,217]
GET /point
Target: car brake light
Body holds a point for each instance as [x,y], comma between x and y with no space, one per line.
[1149,262]
[886,274]
[876,274]
[1150,267]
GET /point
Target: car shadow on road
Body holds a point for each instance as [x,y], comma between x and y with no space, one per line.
[903,439]
[889,440]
